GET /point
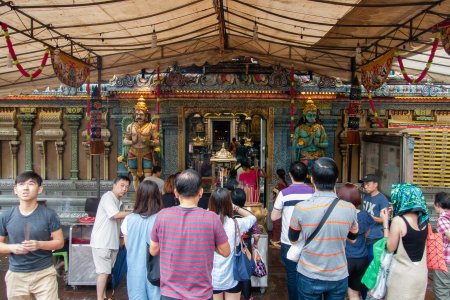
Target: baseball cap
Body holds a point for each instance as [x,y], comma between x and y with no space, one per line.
[370,177]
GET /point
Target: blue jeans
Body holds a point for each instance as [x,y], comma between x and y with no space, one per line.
[314,289]
[291,272]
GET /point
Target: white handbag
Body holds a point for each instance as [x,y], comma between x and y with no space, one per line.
[295,251]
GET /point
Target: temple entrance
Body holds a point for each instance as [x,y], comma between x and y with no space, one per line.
[221,135]
[208,138]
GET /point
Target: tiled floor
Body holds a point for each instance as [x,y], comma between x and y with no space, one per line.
[276,289]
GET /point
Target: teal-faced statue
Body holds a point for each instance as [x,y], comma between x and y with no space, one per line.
[310,136]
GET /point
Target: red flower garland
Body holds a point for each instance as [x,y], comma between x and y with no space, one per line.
[372,106]
[292,103]
[437,36]
[14,56]
[158,105]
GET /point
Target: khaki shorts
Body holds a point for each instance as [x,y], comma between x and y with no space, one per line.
[104,260]
[41,284]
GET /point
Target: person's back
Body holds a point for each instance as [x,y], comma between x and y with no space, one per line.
[136,229]
[322,267]
[283,207]
[324,257]
[186,237]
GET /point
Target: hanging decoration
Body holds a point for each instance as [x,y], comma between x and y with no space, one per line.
[95,114]
[437,36]
[374,111]
[15,60]
[96,143]
[88,103]
[445,38]
[292,103]
[69,70]
[158,108]
[375,73]
[354,112]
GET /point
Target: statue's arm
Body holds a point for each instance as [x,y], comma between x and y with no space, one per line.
[322,138]
[154,137]
[127,140]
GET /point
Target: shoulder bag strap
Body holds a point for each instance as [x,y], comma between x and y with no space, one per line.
[237,231]
[324,219]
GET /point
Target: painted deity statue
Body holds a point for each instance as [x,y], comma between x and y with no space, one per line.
[310,136]
[142,137]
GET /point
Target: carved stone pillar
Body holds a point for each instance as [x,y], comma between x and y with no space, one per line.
[118,124]
[106,160]
[88,157]
[14,146]
[59,165]
[26,117]
[330,125]
[73,117]
[42,152]
[50,120]
[9,132]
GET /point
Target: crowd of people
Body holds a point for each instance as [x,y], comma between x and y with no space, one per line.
[195,237]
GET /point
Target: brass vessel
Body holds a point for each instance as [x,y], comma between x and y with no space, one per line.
[260,213]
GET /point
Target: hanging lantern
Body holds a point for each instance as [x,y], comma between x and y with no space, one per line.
[255,32]
[154,39]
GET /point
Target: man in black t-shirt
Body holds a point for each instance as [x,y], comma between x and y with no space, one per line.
[32,231]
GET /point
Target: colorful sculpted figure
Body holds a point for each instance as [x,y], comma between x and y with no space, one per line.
[311,138]
[142,138]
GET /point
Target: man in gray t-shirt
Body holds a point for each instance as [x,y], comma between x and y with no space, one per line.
[322,267]
[32,231]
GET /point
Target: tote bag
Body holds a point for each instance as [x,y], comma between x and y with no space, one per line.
[435,251]
[243,264]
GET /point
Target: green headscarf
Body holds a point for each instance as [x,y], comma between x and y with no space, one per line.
[408,197]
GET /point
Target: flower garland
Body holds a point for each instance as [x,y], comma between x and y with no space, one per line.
[292,103]
[372,106]
[158,108]
[437,37]
[16,61]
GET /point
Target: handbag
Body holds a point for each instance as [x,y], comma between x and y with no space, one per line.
[296,249]
[153,273]
[243,264]
[435,251]
[260,267]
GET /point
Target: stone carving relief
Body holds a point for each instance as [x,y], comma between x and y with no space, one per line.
[50,120]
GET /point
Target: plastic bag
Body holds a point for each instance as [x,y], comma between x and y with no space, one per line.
[370,276]
[379,291]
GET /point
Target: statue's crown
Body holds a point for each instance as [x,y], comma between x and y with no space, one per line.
[140,105]
[309,106]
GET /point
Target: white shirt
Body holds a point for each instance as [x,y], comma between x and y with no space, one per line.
[286,201]
[106,231]
[222,273]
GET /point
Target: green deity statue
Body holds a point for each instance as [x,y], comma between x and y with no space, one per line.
[310,136]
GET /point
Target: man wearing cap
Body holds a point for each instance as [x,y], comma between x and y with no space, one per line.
[374,202]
